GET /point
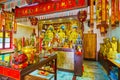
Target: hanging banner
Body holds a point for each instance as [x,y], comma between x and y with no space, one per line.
[103,10]
[119,11]
[8,20]
[91,13]
[102,15]
[107,12]
[98,12]
[0,22]
[15,24]
[113,18]
[49,8]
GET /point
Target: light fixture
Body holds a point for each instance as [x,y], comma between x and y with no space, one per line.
[43,21]
[70,18]
[60,19]
[50,20]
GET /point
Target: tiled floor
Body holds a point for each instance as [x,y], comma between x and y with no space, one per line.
[92,71]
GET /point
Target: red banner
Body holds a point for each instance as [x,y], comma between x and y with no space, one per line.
[113,18]
[119,10]
[49,8]
[91,11]
[0,22]
[104,10]
[98,12]
[2,1]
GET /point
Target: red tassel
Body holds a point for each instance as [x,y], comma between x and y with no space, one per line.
[79,53]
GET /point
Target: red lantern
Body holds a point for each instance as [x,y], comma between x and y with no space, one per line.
[33,20]
[82,15]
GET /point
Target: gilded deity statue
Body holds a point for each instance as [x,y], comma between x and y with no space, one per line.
[113,49]
[48,37]
[111,54]
[50,34]
[61,36]
[33,38]
[73,35]
[107,46]
[114,43]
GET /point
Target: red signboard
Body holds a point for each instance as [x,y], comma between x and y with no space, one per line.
[2,1]
[49,8]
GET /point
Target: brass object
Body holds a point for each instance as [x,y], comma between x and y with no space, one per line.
[30,52]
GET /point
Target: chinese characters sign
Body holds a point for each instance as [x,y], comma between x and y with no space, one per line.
[49,8]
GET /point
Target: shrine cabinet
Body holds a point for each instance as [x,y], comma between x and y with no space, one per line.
[89,46]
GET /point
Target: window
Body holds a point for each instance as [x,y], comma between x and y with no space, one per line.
[5,40]
[1,40]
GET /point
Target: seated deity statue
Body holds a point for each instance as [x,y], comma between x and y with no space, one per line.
[113,48]
[33,38]
[101,48]
[105,50]
[73,35]
[114,43]
[61,36]
[107,46]
[48,37]
[111,54]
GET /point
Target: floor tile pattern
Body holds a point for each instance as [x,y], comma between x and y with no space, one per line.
[92,71]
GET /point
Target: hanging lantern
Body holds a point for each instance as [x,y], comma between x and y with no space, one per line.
[98,12]
[82,15]
[33,20]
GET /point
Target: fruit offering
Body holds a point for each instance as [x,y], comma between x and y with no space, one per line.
[43,73]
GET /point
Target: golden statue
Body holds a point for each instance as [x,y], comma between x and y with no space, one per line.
[73,35]
[101,48]
[113,50]
[61,36]
[48,37]
[19,44]
[114,43]
[111,54]
[50,34]
[106,46]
